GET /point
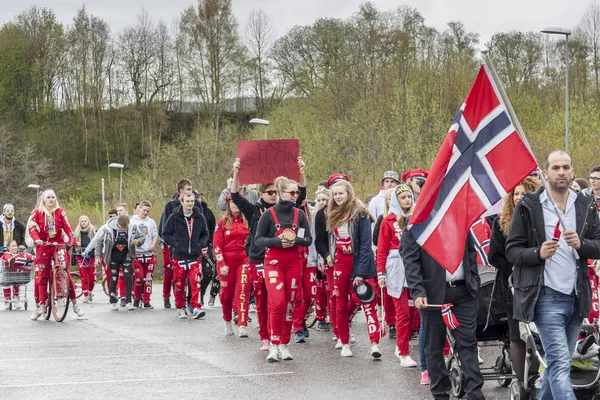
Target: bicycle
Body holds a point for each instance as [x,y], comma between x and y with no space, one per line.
[100,280]
[57,302]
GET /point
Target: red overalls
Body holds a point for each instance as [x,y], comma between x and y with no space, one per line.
[283,274]
[346,299]
[169,271]
[308,292]
[259,291]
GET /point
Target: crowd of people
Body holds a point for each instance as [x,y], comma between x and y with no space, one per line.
[277,252]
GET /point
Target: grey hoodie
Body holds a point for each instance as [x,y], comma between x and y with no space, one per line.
[105,237]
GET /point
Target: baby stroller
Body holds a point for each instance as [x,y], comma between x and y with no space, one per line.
[584,381]
[492,326]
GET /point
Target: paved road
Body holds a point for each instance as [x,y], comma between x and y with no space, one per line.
[153,355]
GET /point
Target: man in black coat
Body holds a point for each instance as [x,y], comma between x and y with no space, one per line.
[10,228]
[429,283]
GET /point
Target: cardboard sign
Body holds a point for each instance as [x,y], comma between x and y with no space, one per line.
[264,160]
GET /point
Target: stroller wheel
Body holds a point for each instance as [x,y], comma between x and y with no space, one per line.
[456,380]
[503,366]
[517,391]
[25,306]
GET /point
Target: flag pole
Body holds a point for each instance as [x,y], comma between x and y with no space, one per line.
[513,116]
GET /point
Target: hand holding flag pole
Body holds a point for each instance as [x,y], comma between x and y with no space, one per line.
[519,129]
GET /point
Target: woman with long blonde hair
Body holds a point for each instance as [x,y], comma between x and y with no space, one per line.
[232,266]
[281,230]
[497,258]
[351,255]
[84,232]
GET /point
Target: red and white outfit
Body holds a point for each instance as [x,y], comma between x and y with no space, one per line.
[259,291]
[144,262]
[21,260]
[48,226]
[168,272]
[307,293]
[229,247]
[283,274]
[346,301]
[391,267]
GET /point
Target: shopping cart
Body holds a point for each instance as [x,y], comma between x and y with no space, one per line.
[15,274]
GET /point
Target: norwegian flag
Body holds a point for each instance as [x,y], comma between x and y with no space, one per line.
[187,264]
[449,317]
[481,159]
[481,233]
[556,235]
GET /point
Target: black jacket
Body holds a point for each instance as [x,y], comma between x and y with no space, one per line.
[18,233]
[376,229]
[266,231]
[175,234]
[425,277]
[321,236]
[252,212]
[211,222]
[497,258]
[169,208]
[523,243]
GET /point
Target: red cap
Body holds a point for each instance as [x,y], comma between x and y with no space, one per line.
[415,173]
[336,177]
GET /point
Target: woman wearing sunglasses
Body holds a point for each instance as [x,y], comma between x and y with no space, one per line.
[350,254]
[280,231]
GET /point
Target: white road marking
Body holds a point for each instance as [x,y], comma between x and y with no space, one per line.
[115,356]
[175,378]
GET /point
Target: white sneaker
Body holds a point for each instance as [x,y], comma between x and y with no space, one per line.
[479,356]
[252,308]
[265,345]
[181,313]
[284,352]
[273,353]
[18,305]
[352,339]
[129,306]
[375,352]
[243,331]
[228,329]
[77,310]
[86,300]
[114,306]
[346,352]
[40,310]
[6,305]
[407,362]
[338,344]
[198,313]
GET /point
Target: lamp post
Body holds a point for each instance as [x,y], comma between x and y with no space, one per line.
[263,122]
[120,166]
[37,191]
[566,32]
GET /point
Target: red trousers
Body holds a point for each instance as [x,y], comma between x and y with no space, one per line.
[389,307]
[403,322]
[43,269]
[262,300]
[193,270]
[87,273]
[332,300]
[235,286]
[306,298]
[322,299]
[283,274]
[168,274]
[7,292]
[342,272]
[143,268]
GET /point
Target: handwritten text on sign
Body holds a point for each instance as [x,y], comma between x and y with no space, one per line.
[264,160]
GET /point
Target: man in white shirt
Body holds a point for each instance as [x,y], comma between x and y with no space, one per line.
[145,259]
[377,204]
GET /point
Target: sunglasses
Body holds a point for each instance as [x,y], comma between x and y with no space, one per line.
[594,178]
[271,192]
[9,210]
[293,193]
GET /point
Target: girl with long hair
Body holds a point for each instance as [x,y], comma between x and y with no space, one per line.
[49,224]
[351,255]
[281,231]
[497,258]
[232,266]
[84,232]
[390,267]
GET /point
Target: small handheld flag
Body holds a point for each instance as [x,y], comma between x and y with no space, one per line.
[449,317]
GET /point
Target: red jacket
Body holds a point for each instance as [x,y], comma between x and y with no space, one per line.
[389,239]
[38,228]
[229,239]
[21,259]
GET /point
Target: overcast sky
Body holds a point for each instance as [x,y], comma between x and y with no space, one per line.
[481,16]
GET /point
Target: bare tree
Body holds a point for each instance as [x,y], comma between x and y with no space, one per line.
[259,39]
[589,28]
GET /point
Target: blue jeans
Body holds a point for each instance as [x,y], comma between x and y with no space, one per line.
[422,358]
[558,322]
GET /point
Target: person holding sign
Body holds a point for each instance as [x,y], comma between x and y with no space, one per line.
[350,254]
[280,231]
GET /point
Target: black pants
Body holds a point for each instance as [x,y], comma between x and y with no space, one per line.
[465,309]
[114,279]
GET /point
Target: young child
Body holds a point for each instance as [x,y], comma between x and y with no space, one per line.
[20,260]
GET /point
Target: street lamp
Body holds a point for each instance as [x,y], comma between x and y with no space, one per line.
[263,122]
[120,166]
[37,191]
[566,32]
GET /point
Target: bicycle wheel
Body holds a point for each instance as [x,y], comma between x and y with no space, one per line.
[48,299]
[77,282]
[311,316]
[60,294]
[105,286]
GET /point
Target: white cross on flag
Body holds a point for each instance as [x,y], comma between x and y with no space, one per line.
[481,159]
